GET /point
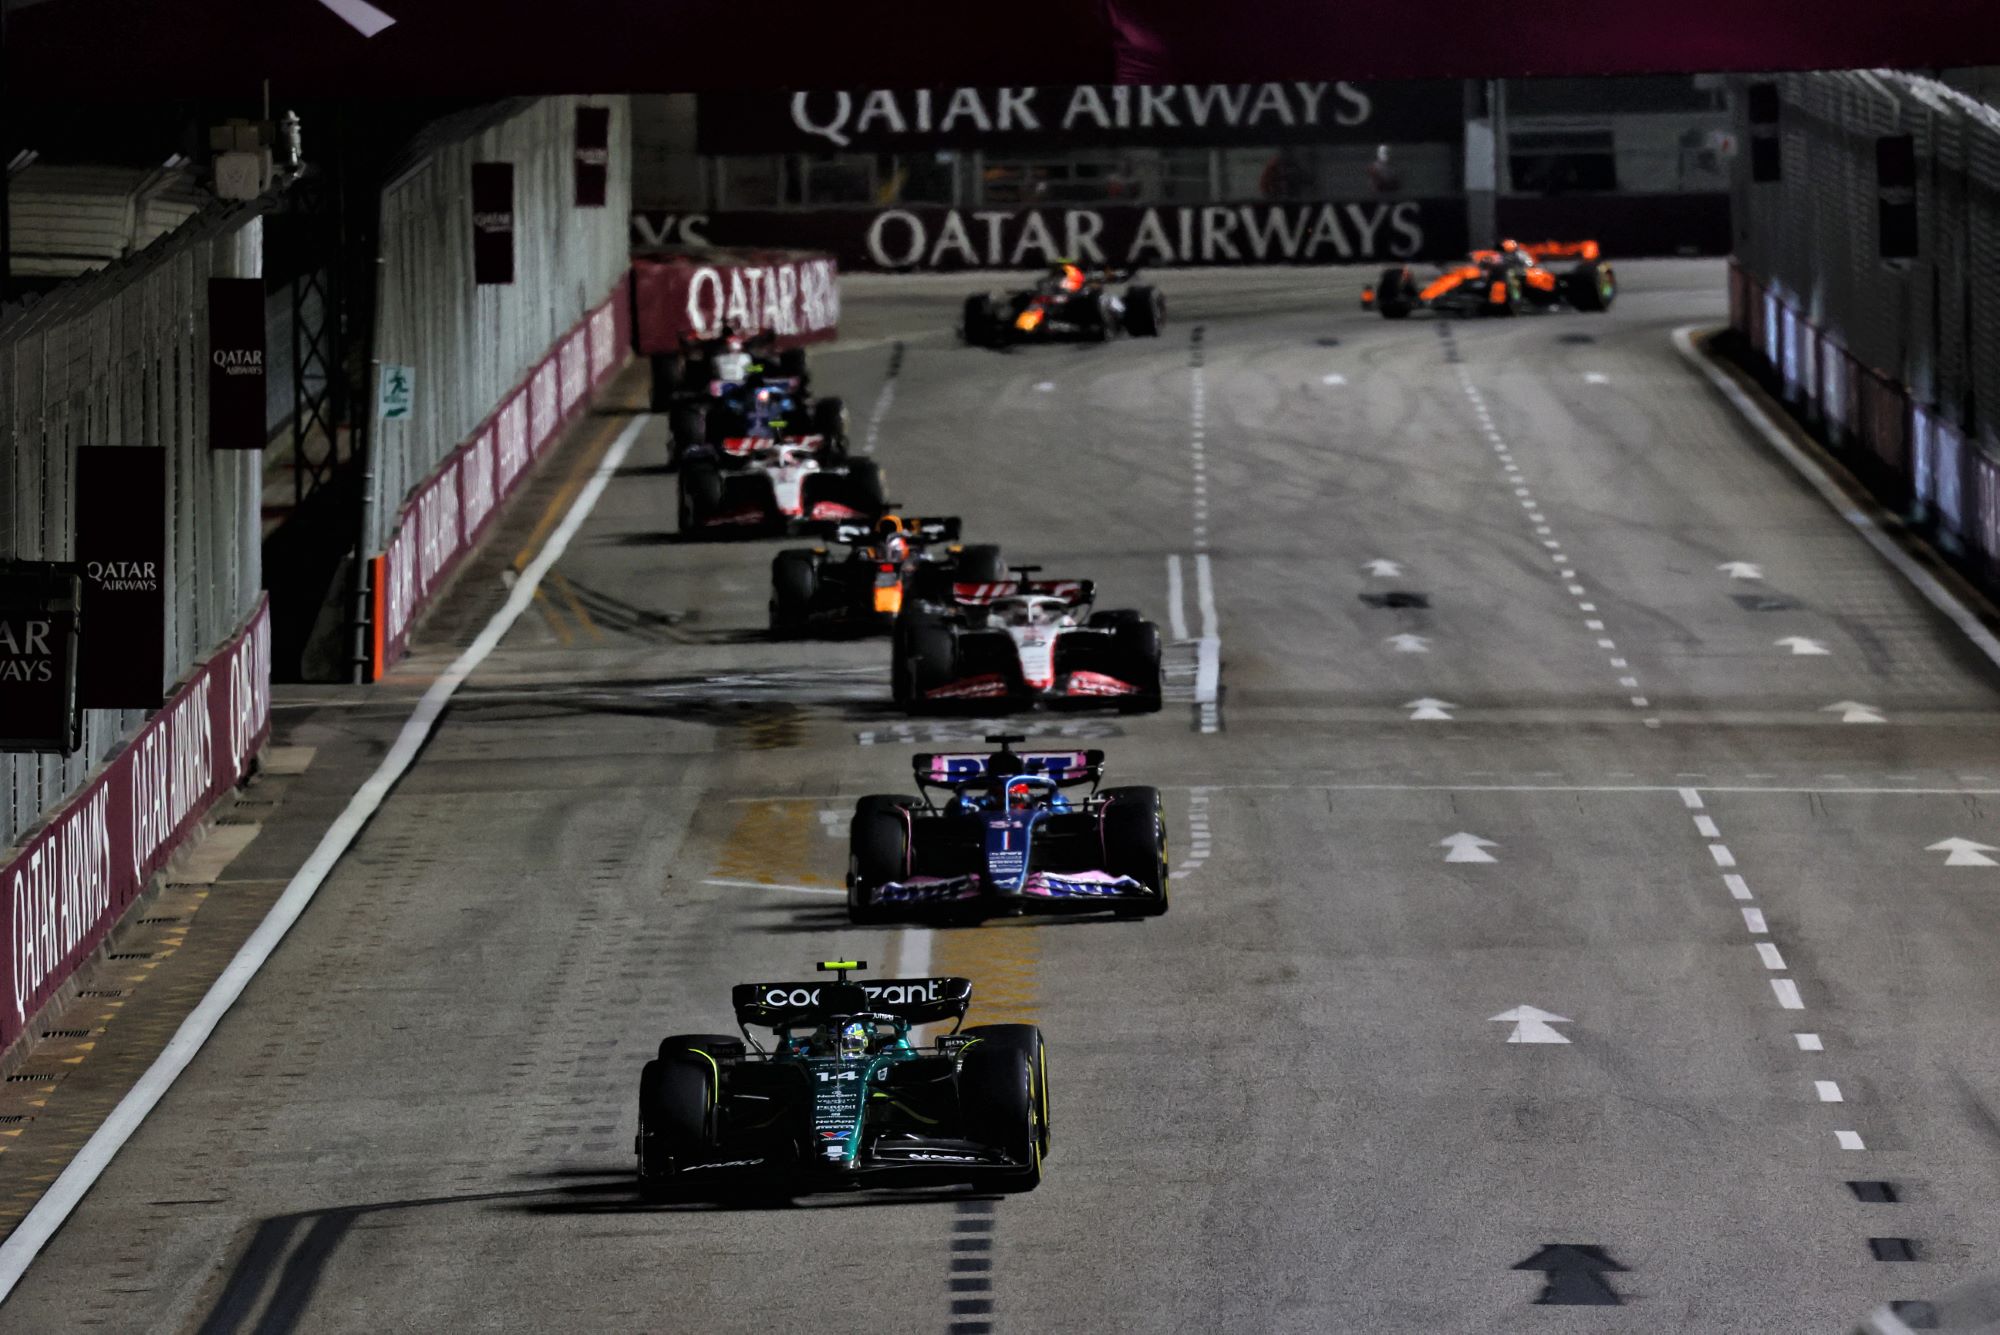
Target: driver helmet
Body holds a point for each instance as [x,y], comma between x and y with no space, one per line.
[895,547]
[852,1041]
[733,362]
[1070,277]
[1020,797]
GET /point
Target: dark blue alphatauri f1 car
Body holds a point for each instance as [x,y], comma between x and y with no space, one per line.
[1009,838]
[843,1097]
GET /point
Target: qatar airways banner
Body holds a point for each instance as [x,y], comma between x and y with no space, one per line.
[885,120]
[63,890]
[935,238]
[796,297]
[447,515]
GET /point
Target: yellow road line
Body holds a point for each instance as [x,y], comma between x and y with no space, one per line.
[549,614]
[559,505]
[778,843]
[576,605]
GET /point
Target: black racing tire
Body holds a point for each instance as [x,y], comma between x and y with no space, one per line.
[720,1048]
[1394,294]
[677,1100]
[1137,648]
[878,851]
[1591,286]
[1145,311]
[980,563]
[829,419]
[981,324]
[686,428]
[929,657]
[667,368]
[999,1098]
[1135,843]
[1027,1040]
[794,585]
[700,494]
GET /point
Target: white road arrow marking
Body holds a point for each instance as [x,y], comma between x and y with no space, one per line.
[1409,644]
[363,17]
[1741,570]
[1801,646]
[1467,848]
[1964,852]
[1382,569]
[1428,708]
[1531,1025]
[1853,711]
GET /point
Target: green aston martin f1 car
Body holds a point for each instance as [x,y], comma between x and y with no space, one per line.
[843,1097]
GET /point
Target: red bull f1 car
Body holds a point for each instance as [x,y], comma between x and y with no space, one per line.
[897,558]
[1070,302]
[1512,280]
[1008,836]
[843,1095]
[1022,641]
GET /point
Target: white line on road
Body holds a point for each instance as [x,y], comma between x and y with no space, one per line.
[1754,920]
[1769,954]
[1690,799]
[1788,994]
[1723,857]
[48,1214]
[1176,599]
[773,885]
[1828,1090]
[1809,1043]
[1204,593]
[913,952]
[1706,827]
[1849,1140]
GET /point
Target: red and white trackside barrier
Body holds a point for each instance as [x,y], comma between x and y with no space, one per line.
[72,880]
[446,516]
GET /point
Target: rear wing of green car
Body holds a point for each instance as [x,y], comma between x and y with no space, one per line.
[914,1000]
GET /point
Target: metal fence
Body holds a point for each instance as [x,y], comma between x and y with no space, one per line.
[470,345]
[1931,325]
[121,359]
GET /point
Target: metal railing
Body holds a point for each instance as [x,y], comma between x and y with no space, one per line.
[1931,324]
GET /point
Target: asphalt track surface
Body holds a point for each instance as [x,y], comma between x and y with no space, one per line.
[1285,1106]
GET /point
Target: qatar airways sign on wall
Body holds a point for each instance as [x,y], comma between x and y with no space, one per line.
[1128,235]
[796,297]
[70,881]
[880,120]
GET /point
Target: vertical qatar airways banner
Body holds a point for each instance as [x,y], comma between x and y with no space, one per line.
[236,364]
[65,887]
[121,552]
[492,222]
[593,156]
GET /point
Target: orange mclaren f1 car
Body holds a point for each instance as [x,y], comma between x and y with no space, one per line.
[1507,281]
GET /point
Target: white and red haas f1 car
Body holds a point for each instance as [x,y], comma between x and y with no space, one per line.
[1024,641]
[782,483]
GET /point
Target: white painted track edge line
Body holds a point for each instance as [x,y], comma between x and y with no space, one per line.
[1865,523]
[70,1187]
[1204,588]
[1176,598]
[773,885]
